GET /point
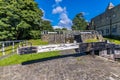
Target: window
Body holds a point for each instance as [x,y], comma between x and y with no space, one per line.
[114,15]
[107,30]
[102,31]
[107,18]
[114,29]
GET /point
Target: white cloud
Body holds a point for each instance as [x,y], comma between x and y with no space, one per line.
[65,21]
[43,17]
[58,9]
[57,1]
[85,13]
[55,27]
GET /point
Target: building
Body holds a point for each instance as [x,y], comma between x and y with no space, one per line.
[108,23]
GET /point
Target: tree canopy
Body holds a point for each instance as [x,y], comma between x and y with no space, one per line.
[79,22]
[21,18]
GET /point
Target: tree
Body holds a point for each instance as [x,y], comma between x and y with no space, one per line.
[57,29]
[64,28]
[79,22]
[46,25]
[18,18]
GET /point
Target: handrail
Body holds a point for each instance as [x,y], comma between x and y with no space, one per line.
[11,41]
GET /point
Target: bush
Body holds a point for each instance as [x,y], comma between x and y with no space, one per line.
[35,34]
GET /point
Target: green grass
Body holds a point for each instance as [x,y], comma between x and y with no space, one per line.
[113,40]
[91,40]
[38,42]
[18,59]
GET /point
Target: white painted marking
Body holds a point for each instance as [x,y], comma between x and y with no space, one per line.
[56,47]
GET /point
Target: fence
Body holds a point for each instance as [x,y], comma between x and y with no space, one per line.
[10,47]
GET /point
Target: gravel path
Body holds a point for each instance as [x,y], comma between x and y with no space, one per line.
[68,68]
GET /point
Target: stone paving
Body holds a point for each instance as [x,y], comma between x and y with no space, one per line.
[68,68]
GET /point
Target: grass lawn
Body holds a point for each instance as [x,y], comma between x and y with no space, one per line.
[18,59]
[113,40]
[91,40]
[37,42]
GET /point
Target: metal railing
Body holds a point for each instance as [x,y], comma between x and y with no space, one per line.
[10,47]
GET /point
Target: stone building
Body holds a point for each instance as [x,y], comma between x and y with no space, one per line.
[108,23]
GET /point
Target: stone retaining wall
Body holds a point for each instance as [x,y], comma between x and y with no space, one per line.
[107,50]
[58,38]
[70,37]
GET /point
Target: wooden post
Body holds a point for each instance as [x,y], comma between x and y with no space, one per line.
[3,48]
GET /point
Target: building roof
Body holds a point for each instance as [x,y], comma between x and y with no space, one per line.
[110,6]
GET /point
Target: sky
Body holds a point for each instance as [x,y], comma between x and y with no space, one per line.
[61,12]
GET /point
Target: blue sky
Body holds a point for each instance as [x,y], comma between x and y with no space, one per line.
[61,12]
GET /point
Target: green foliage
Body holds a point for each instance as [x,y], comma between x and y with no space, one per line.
[58,29]
[35,34]
[64,28]
[19,17]
[18,59]
[79,22]
[46,25]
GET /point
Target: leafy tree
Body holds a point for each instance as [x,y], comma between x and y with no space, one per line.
[35,34]
[46,25]
[58,29]
[79,22]
[18,18]
[64,28]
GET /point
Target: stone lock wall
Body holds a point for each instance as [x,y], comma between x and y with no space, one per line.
[85,37]
[57,38]
[70,37]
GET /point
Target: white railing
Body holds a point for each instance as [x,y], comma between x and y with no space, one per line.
[9,44]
